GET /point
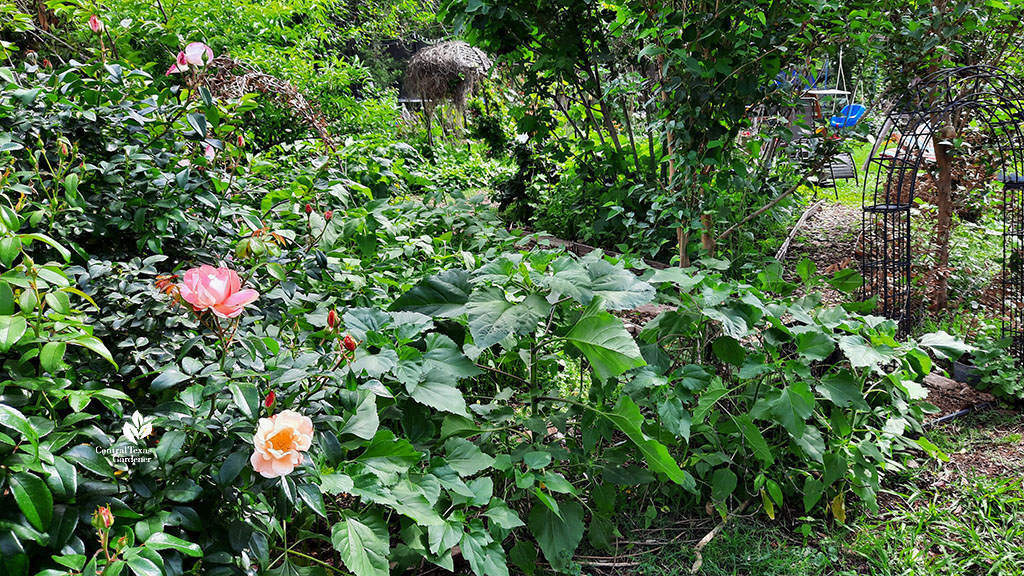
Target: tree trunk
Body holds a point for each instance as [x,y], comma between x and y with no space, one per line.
[707,240]
[944,182]
[944,223]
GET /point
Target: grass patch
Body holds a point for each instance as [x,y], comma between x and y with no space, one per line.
[970,526]
[982,428]
[742,548]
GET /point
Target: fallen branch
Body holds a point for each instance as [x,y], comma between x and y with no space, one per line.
[714,532]
[796,228]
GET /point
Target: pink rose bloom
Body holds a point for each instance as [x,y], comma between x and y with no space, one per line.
[198,54]
[216,288]
[195,54]
[95,24]
[279,442]
[180,65]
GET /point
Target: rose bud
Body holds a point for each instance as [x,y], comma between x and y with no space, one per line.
[103,517]
[332,318]
[328,214]
[95,24]
[350,342]
[309,208]
[241,141]
[269,401]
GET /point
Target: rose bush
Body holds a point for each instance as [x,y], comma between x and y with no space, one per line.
[401,381]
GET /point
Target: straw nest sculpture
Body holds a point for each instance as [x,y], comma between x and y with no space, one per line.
[233,79]
[446,71]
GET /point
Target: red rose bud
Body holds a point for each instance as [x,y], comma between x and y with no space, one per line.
[241,141]
[328,214]
[270,399]
[332,318]
[350,342]
[104,516]
[309,208]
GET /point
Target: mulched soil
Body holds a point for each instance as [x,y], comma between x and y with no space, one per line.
[996,459]
[951,396]
[636,318]
[829,238]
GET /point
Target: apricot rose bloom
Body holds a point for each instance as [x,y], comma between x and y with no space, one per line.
[218,289]
[280,441]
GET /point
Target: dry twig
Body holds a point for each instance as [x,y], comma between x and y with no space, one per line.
[714,532]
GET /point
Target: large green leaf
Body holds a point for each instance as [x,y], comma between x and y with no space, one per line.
[12,328]
[485,556]
[620,288]
[754,439]
[141,566]
[723,483]
[627,417]
[793,407]
[846,280]
[443,361]
[814,345]
[388,455]
[729,350]
[860,352]
[360,321]
[167,378]
[444,295]
[605,342]
[164,541]
[10,248]
[13,418]
[93,343]
[6,299]
[364,423]
[62,478]
[363,542]
[842,390]
[684,278]
[465,457]
[246,398]
[492,317]
[413,501]
[674,417]
[944,345]
[438,395]
[52,356]
[568,278]
[310,494]
[557,534]
[33,498]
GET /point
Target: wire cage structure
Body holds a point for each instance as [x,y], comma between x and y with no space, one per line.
[933,108]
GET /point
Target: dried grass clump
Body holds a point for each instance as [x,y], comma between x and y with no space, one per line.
[233,79]
[446,71]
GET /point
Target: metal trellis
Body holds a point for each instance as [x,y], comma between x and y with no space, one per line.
[905,146]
